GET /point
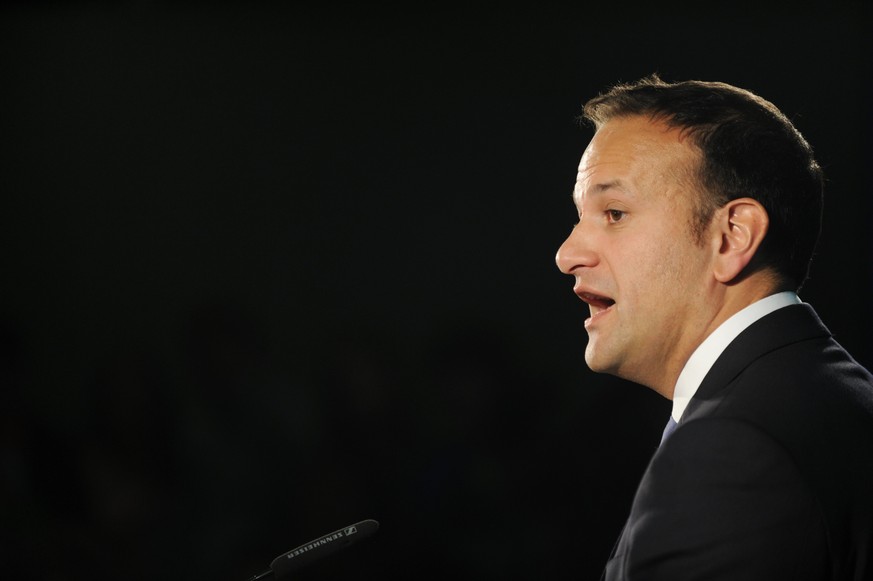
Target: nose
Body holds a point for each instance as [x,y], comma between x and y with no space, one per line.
[575,252]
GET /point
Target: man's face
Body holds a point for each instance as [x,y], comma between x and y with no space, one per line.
[633,255]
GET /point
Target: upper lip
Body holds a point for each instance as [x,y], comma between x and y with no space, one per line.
[598,301]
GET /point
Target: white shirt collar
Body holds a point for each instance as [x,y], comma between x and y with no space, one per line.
[704,356]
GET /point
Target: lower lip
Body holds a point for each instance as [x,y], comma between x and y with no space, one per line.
[594,318]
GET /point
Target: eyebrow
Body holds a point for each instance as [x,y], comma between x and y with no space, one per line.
[601,188]
[610,185]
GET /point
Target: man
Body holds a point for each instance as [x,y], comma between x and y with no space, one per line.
[699,209]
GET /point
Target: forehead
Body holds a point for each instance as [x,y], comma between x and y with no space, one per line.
[634,154]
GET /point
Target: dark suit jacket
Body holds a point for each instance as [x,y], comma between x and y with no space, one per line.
[769,475]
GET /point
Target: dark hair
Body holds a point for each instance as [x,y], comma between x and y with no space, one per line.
[750,149]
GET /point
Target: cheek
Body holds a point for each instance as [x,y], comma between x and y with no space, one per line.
[650,268]
[653,279]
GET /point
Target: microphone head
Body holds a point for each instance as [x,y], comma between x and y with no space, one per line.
[330,543]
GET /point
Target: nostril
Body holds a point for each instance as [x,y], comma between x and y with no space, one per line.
[569,257]
[576,252]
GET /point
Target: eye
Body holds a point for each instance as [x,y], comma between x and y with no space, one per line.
[613,216]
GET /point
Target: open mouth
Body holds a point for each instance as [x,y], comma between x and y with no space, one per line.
[597,303]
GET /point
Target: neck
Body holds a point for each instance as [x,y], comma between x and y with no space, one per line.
[724,302]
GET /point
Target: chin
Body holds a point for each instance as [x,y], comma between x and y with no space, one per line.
[596,363]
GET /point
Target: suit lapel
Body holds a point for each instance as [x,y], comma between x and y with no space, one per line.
[773,331]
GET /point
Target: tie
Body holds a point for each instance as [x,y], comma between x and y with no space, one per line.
[668,429]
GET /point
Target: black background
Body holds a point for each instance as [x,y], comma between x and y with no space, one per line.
[269,271]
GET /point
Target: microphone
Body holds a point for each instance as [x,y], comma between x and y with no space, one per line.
[294,559]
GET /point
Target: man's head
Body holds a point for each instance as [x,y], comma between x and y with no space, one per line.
[694,200]
[749,149]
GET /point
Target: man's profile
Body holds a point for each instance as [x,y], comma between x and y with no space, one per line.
[699,208]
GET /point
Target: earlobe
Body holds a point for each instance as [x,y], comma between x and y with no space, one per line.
[741,226]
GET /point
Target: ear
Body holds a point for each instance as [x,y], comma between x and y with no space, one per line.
[740,225]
